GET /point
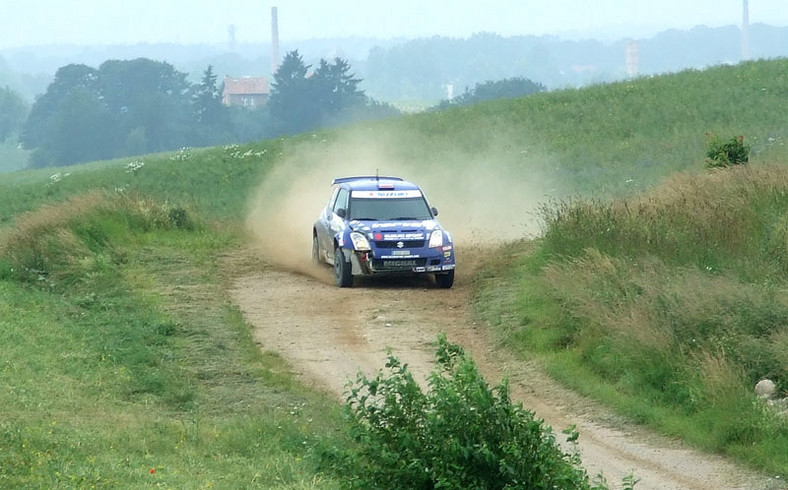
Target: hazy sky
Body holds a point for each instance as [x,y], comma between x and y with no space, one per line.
[37,22]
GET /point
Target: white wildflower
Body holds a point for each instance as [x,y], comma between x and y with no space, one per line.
[134,166]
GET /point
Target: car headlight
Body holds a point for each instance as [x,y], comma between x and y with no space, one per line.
[436,239]
[360,242]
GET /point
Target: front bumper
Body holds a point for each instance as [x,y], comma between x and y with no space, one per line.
[419,261]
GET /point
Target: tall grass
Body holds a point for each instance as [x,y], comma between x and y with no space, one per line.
[677,300]
[726,221]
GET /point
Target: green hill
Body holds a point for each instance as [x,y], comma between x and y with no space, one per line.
[654,285]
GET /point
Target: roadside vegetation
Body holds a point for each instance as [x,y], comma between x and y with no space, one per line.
[669,307]
[124,365]
[658,286]
[459,434]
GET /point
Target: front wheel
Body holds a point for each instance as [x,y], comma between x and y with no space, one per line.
[445,280]
[343,274]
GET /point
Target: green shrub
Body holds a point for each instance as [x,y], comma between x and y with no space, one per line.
[461,434]
[724,153]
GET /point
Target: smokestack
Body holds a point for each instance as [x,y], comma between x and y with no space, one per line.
[231,36]
[745,32]
[274,40]
[633,59]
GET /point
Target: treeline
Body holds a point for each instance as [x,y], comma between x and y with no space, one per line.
[140,106]
[328,96]
[508,88]
[13,111]
[422,69]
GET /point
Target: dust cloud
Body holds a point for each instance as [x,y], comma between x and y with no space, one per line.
[483,199]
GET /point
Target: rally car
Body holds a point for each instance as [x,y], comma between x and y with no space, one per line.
[376,225]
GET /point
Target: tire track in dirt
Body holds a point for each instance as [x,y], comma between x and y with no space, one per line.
[330,334]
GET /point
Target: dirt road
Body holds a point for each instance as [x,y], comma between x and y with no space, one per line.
[330,334]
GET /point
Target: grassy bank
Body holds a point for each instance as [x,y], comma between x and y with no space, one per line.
[669,306]
[125,366]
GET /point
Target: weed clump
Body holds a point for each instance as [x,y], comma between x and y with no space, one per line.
[724,153]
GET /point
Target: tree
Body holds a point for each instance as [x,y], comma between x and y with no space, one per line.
[143,93]
[329,96]
[336,91]
[207,98]
[80,130]
[13,110]
[508,88]
[125,107]
[210,113]
[38,126]
[289,102]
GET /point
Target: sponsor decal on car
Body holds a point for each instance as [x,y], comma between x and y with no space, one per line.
[400,236]
[385,194]
[396,224]
[399,263]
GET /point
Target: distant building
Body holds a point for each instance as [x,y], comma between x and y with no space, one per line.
[245,92]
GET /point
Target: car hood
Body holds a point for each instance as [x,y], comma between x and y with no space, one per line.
[395,230]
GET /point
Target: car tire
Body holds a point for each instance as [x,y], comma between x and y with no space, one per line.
[315,250]
[343,274]
[445,280]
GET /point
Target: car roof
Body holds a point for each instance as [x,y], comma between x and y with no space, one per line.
[374,183]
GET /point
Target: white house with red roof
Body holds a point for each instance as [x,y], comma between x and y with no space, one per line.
[248,92]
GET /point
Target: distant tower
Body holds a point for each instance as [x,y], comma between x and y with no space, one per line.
[274,40]
[449,91]
[231,36]
[633,59]
[745,32]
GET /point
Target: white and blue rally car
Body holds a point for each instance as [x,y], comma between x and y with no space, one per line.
[381,225]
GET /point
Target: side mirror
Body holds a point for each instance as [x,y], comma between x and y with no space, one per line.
[435,211]
[341,213]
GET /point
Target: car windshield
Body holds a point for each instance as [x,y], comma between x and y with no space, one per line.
[411,208]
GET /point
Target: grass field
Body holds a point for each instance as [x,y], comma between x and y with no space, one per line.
[655,286]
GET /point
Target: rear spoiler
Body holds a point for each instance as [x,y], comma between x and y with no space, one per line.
[342,180]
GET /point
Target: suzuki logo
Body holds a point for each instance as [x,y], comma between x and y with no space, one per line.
[400,244]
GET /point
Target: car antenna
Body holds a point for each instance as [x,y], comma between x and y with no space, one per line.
[377,174]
